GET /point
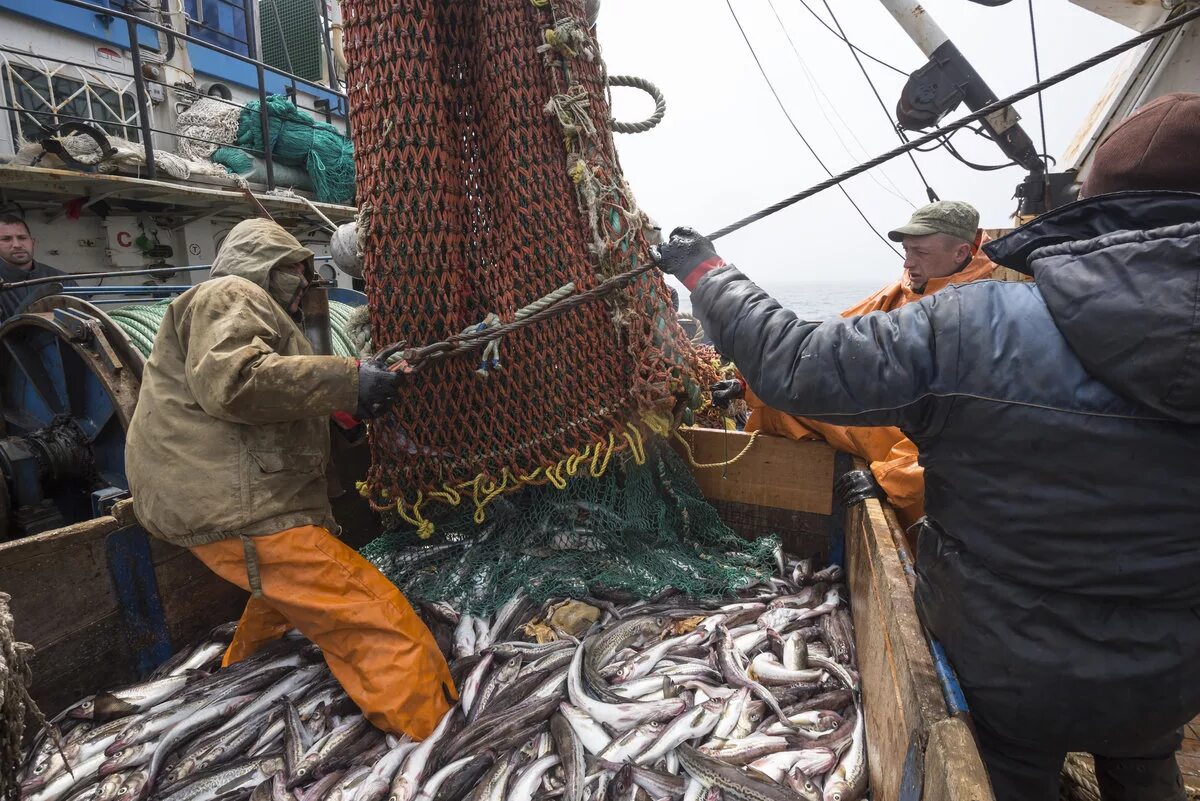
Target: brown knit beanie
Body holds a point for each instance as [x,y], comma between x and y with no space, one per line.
[1157,147]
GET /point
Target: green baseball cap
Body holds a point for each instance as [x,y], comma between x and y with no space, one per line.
[959,220]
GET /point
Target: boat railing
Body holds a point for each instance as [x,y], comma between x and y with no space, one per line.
[331,102]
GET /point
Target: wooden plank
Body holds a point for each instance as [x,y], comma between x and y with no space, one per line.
[775,472]
[953,769]
[901,693]
[42,181]
[64,605]
[37,571]
[803,534]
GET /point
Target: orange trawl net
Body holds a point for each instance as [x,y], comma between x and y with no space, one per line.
[487,178]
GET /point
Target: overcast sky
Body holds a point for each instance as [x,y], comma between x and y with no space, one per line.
[725,149]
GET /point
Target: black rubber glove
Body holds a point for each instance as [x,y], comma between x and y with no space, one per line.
[687,256]
[727,391]
[856,486]
[378,389]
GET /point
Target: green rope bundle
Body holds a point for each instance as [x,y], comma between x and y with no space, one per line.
[296,140]
[141,321]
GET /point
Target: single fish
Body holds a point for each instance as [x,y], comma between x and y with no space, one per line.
[691,725]
[244,774]
[590,733]
[527,781]
[470,688]
[495,683]
[731,669]
[622,716]
[731,780]
[848,782]
[138,697]
[812,762]
[494,782]
[456,786]
[632,743]
[464,637]
[570,751]
[376,786]
[766,669]
[408,781]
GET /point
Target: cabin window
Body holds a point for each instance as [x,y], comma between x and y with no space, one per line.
[49,98]
[220,22]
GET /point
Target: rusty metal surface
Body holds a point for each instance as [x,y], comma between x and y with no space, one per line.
[18,182]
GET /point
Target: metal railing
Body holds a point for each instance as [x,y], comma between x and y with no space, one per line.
[294,83]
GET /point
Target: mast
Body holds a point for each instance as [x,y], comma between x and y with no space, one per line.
[947,80]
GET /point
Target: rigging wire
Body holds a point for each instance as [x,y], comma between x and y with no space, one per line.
[847,41]
[1037,76]
[816,88]
[962,122]
[800,134]
[932,195]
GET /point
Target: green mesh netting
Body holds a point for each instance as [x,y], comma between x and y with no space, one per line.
[639,528]
[297,140]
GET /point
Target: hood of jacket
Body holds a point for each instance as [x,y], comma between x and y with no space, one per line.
[1120,275]
[255,247]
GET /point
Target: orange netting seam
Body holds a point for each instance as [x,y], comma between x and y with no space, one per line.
[488,177]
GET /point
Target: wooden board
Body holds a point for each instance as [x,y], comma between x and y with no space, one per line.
[776,472]
[953,769]
[901,693]
[63,604]
[803,534]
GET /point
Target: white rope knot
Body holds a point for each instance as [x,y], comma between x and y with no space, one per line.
[571,109]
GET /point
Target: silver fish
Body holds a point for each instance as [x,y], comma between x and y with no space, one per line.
[620,717]
[848,782]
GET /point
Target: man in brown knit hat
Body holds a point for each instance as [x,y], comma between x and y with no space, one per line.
[1059,429]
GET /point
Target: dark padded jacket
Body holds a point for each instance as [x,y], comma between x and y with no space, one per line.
[1058,424]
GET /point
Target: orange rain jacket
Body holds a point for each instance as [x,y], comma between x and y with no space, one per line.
[892,456]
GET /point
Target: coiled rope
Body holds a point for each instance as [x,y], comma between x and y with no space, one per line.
[141,321]
[660,104]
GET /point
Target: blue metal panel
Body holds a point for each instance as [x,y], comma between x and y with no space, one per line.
[351,297]
[224,23]
[80,21]
[136,588]
[229,70]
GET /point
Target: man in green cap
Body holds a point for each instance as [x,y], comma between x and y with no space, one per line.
[940,242]
[941,246]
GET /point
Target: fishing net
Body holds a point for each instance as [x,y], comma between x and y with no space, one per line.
[15,703]
[488,179]
[297,140]
[641,528]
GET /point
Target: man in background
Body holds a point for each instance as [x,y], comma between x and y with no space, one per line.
[941,248]
[17,263]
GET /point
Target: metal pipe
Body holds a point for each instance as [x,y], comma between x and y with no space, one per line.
[265,121]
[918,24]
[143,107]
[315,306]
[331,64]
[50,279]
[251,39]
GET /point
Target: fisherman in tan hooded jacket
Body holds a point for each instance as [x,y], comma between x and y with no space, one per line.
[226,455]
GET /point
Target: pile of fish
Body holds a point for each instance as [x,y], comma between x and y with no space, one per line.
[755,698]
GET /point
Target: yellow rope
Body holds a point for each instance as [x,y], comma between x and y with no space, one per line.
[691,457]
